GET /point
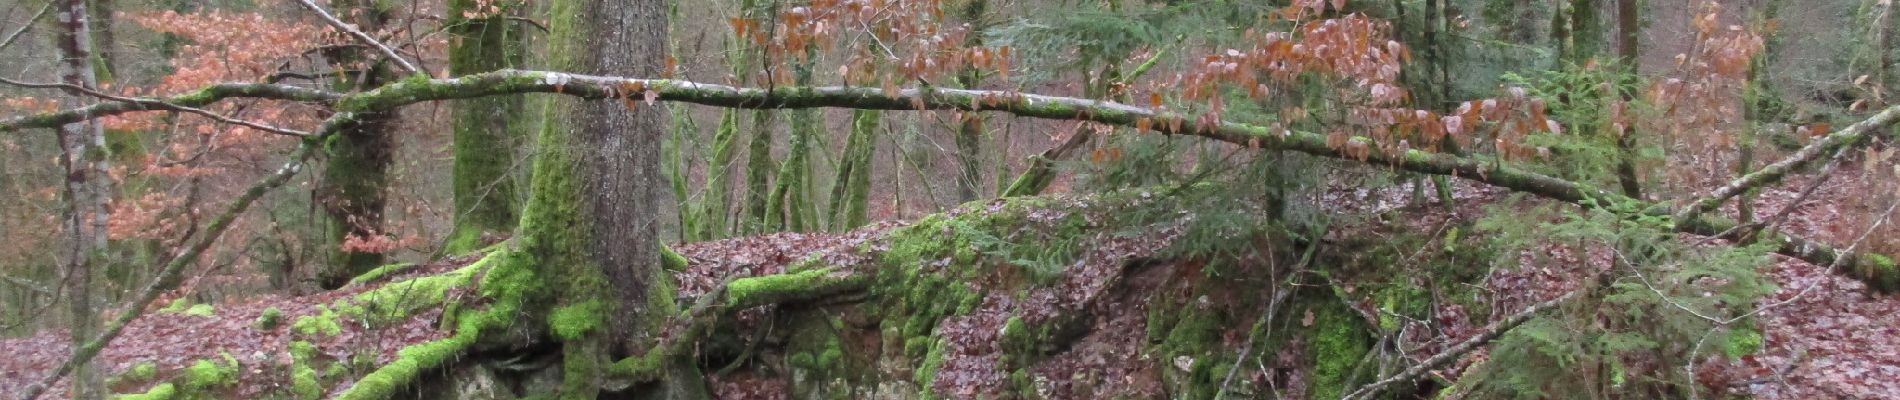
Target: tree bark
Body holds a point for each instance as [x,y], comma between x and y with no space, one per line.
[487,131]
[87,188]
[590,224]
[357,173]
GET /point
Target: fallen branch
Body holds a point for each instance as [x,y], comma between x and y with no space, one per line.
[1877,271]
[1491,332]
[1826,145]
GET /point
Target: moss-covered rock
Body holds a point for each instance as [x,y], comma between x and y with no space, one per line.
[270,318]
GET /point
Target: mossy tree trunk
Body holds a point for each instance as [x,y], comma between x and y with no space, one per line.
[589,226]
[357,174]
[851,190]
[788,208]
[487,130]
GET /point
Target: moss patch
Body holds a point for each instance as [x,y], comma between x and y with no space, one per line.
[270,318]
[322,324]
[164,391]
[206,376]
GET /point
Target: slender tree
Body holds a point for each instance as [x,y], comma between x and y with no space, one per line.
[87,189]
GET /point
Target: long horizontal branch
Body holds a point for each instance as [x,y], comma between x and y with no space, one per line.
[1877,271]
[195,99]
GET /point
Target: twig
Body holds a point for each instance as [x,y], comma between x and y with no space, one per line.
[29,26]
[360,36]
[1491,332]
[27,284]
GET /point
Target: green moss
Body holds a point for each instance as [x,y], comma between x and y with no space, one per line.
[380,272]
[164,391]
[1879,272]
[270,318]
[206,376]
[324,324]
[176,306]
[1741,342]
[200,310]
[773,288]
[305,383]
[138,373]
[672,260]
[640,368]
[926,372]
[576,321]
[1337,341]
[508,285]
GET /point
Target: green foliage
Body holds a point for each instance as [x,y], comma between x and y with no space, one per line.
[1649,309]
[1580,98]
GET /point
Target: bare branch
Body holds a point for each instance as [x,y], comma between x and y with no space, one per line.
[169,276]
[29,26]
[160,105]
[1491,332]
[198,98]
[360,36]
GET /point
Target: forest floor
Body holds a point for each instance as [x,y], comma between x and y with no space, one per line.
[1824,336]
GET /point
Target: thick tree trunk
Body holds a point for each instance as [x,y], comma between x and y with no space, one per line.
[357,172]
[487,131]
[590,224]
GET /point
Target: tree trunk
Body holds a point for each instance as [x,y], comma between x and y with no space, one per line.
[487,130]
[104,42]
[590,225]
[87,188]
[851,190]
[1628,31]
[354,179]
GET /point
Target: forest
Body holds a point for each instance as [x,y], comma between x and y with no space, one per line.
[949,199]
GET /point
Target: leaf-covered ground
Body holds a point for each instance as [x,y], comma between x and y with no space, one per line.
[1825,336]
